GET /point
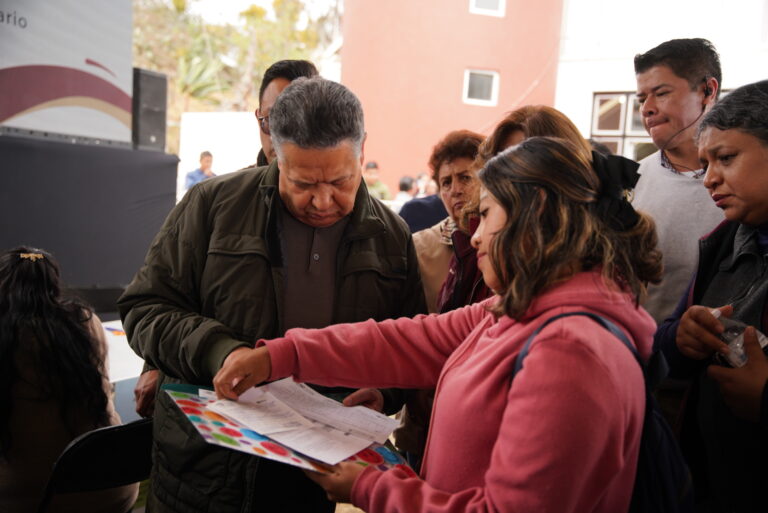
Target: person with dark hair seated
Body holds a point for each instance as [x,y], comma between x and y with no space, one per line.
[555,236]
[725,428]
[53,385]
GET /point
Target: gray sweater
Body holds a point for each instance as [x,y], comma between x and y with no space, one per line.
[684,212]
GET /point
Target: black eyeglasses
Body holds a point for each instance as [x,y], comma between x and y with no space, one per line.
[263,122]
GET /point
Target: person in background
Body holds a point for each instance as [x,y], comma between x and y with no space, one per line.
[376,187]
[531,121]
[725,429]
[53,385]
[422,180]
[451,162]
[204,172]
[248,255]
[407,191]
[437,248]
[276,78]
[430,188]
[421,213]
[563,436]
[677,83]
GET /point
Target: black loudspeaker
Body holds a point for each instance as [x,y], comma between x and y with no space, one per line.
[150,96]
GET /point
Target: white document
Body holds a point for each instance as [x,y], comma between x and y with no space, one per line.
[322,442]
[306,421]
[359,421]
[260,411]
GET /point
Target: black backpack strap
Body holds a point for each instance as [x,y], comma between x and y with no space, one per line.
[663,482]
[654,371]
[605,323]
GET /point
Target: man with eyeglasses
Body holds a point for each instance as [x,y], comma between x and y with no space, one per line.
[248,255]
[276,78]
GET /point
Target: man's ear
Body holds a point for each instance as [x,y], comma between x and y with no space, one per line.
[362,150]
[711,88]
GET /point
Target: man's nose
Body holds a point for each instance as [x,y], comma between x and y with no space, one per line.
[648,107]
[711,177]
[323,198]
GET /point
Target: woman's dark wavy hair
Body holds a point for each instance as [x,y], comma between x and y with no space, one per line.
[67,362]
[549,192]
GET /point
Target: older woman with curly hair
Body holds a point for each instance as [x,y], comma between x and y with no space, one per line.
[445,245]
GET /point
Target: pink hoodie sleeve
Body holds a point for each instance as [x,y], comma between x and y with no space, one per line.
[567,442]
[406,353]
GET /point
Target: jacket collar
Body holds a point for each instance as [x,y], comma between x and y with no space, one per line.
[744,243]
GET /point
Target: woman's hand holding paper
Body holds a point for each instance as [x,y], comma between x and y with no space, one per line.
[338,484]
[243,368]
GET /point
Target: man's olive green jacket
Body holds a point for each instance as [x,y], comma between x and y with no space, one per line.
[213,281]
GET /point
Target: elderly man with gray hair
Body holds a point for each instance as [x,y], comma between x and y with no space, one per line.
[249,255]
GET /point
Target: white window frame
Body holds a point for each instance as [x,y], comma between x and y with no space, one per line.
[494,88]
[630,109]
[498,13]
[596,113]
[618,140]
[631,142]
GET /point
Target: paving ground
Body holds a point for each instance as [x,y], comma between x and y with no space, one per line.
[347,508]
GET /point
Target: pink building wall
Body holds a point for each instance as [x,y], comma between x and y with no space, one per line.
[406,60]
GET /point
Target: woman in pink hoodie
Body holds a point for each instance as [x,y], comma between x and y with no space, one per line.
[556,235]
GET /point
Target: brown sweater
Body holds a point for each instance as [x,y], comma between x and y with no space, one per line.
[434,250]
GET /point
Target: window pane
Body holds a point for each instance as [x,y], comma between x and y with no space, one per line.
[480,86]
[492,5]
[613,146]
[609,114]
[636,123]
[612,143]
[642,150]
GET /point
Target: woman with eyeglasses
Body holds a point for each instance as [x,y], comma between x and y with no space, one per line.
[53,385]
[555,236]
[725,427]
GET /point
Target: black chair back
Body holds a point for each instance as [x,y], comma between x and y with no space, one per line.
[103,458]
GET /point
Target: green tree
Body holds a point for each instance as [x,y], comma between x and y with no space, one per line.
[219,67]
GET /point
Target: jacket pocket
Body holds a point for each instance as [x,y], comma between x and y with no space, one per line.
[189,471]
[373,286]
[237,287]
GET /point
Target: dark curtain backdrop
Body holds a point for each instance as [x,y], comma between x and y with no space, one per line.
[96,208]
